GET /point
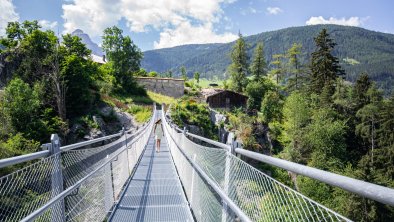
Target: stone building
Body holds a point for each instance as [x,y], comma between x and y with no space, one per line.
[165,86]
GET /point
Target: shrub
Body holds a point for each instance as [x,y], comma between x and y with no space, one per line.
[143,116]
[192,113]
[140,113]
[18,145]
[88,121]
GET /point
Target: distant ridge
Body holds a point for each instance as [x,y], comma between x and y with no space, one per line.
[359,50]
[96,50]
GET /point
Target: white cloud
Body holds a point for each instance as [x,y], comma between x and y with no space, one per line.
[7,14]
[352,21]
[274,10]
[249,10]
[45,24]
[93,16]
[185,33]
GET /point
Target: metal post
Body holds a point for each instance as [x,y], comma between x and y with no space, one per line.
[227,179]
[108,192]
[192,185]
[234,145]
[57,211]
[127,150]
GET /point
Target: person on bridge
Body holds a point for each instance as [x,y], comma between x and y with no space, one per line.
[158,133]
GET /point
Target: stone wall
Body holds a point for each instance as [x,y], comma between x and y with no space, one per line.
[166,86]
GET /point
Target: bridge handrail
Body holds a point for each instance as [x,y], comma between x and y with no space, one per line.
[230,203]
[37,213]
[88,142]
[45,153]
[371,191]
[215,143]
[23,158]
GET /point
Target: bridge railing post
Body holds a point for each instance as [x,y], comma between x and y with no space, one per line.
[227,178]
[124,133]
[57,211]
[108,192]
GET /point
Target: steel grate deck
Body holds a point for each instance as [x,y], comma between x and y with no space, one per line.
[155,192]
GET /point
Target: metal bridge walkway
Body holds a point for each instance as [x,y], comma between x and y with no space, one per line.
[154,193]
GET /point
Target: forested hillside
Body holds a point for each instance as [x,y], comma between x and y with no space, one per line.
[317,119]
[359,50]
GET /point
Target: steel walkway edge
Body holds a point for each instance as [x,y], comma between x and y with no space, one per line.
[155,192]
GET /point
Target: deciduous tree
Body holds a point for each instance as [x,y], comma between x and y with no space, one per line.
[124,56]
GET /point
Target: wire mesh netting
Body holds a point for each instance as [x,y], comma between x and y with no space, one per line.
[28,189]
[259,196]
[206,205]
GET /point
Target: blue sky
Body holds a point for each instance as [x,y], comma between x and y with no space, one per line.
[165,23]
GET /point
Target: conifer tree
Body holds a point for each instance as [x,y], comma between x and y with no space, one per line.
[239,67]
[184,73]
[295,66]
[363,83]
[324,66]
[278,69]
[259,64]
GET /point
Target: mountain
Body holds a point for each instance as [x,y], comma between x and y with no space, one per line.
[358,49]
[96,50]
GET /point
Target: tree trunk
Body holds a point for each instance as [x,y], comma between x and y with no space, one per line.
[59,88]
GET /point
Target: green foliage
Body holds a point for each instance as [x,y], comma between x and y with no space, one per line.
[314,189]
[17,31]
[125,58]
[194,88]
[20,105]
[88,122]
[197,77]
[296,116]
[325,139]
[141,113]
[153,74]
[191,113]
[77,72]
[271,107]
[74,46]
[25,122]
[159,98]
[240,64]
[141,73]
[28,51]
[256,91]
[183,73]
[18,145]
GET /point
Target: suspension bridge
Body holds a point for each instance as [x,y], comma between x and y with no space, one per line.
[121,178]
